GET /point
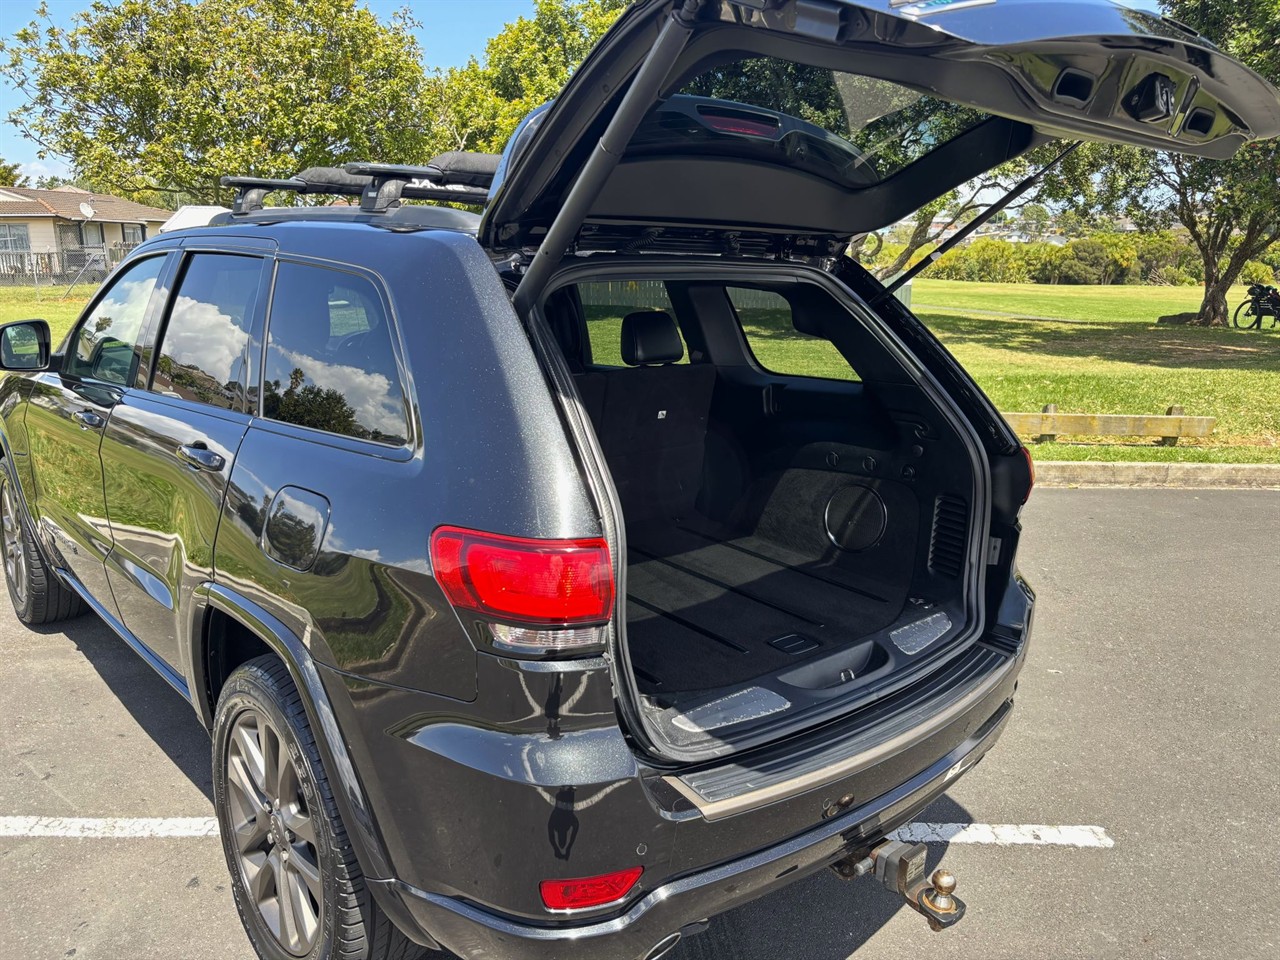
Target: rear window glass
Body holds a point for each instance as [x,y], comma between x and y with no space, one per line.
[775,342]
[605,304]
[851,129]
[330,362]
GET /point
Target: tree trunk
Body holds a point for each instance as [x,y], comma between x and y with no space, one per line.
[1253,237]
[919,237]
[1214,311]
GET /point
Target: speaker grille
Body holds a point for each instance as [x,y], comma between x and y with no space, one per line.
[950,536]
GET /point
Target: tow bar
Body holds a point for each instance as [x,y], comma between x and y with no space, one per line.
[900,867]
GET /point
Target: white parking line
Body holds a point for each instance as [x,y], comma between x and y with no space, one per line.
[108,828]
[1005,834]
[134,828]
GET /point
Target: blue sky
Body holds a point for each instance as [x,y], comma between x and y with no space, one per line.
[452,31]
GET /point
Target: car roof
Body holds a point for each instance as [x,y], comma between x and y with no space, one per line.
[408,217]
[369,241]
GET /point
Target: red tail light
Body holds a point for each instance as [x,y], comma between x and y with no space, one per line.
[1031,474]
[529,581]
[589,891]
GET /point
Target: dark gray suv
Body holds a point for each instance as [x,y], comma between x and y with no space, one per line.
[555,579]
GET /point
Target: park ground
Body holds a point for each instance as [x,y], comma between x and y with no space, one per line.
[1088,349]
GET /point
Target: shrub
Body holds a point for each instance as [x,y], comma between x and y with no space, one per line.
[1076,272]
[1171,277]
[1255,271]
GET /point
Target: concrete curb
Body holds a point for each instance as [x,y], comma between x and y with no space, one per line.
[1080,473]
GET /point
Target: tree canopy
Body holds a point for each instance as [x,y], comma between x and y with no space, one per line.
[169,95]
[478,106]
[157,99]
[11,174]
[1230,208]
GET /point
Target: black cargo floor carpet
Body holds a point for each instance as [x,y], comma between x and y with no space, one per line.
[705,611]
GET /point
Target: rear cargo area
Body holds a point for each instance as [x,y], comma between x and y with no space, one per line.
[788,540]
[710,605]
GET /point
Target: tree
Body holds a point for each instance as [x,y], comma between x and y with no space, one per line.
[169,95]
[11,174]
[53,182]
[479,105]
[1034,220]
[1228,207]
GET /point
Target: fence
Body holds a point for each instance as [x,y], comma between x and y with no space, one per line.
[31,268]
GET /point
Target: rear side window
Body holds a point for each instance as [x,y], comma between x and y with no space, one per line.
[605,304]
[777,345]
[105,346]
[203,355]
[330,364]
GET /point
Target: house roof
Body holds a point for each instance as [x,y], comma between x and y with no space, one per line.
[65,204]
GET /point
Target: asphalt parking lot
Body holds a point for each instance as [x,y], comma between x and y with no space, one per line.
[1147,708]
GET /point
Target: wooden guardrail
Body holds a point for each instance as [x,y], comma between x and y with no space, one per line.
[1047,425]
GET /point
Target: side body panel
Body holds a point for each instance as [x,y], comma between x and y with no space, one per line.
[164,511]
[488,452]
[170,446]
[14,443]
[66,417]
[64,427]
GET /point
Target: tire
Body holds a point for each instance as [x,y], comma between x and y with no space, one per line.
[260,716]
[37,594]
[1245,312]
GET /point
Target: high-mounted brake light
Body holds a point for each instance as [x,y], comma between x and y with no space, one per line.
[541,582]
[739,122]
[589,891]
[749,128]
[1031,474]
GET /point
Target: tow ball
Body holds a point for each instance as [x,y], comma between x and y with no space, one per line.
[900,867]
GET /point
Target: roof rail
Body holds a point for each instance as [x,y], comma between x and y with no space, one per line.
[455,177]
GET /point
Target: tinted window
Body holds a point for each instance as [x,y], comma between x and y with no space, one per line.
[851,129]
[777,345]
[605,304]
[202,352]
[104,346]
[330,364]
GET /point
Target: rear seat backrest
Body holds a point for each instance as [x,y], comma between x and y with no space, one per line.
[653,423]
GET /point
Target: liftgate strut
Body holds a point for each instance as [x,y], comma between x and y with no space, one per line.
[635,104]
[964,232]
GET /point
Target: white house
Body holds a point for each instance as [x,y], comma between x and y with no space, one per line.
[56,232]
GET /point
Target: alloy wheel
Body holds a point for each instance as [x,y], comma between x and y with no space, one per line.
[15,553]
[274,833]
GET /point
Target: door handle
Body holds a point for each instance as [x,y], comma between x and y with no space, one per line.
[198,456]
[88,420]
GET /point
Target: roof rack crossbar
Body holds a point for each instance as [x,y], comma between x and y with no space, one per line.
[386,182]
[380,186]
[250,191]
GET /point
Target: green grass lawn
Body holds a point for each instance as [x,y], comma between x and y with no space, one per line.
[45,303]
[1102,352]
[1107,355]
[1119,304]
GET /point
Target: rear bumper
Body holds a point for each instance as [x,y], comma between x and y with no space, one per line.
[473,932]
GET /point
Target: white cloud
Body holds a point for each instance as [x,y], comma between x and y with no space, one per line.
[374,398]
[120,314]
[203,336]
[45,168]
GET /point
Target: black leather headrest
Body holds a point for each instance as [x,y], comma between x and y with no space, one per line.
[650,336]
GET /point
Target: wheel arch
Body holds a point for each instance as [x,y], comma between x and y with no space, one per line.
[267,634]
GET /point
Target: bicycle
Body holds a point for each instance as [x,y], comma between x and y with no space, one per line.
[1264,301]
